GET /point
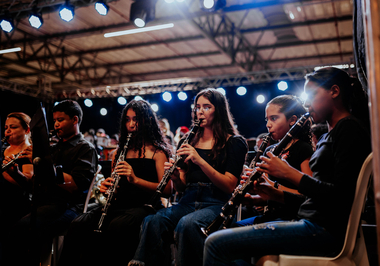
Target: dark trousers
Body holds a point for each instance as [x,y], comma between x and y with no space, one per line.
[115,245]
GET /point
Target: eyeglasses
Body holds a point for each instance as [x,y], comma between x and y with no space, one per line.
[205,109]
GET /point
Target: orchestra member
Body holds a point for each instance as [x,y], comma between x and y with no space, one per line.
[58,203]
[140,172]
[334,97]
[214,160]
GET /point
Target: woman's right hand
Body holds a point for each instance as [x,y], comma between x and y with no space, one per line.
[168,165]
[103,187]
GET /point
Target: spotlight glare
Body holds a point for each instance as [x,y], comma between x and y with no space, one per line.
[6,25]
[155,107]
[167,96]
[88,102]
[241,91]
[103,111]
[36,20]
[121,100]
[169,1]
[182,95]
[138,98]
[222,91]
[101,7]
[66,12]
[304,96]
[260,98]
[282,85]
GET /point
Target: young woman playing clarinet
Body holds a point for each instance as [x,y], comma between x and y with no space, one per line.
[15,174]
[214,160]
[281,114]
[322,218]
[140,172]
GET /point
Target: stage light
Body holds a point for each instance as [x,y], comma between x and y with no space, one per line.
[167,96]
[155,107]
[36,20]
[10,50]
[6,24]
[142,11]
[222,91]
[241,91]
[66,12]
[103,111]
[88,102]
[138,98]
[260,98]
[182,95]
[212,5]
[282,85]
[102,8]
[121,100]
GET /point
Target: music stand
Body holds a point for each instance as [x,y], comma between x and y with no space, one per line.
[44,171]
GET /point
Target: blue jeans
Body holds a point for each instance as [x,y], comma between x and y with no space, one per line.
[237,245]
[198,207]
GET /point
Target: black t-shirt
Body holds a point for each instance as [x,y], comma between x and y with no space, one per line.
[294,155]
[336,164]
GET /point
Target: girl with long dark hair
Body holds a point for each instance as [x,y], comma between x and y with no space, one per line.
[214,160]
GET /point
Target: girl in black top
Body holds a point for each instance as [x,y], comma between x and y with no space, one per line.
[140,174]
[215,159]
[323,216]
[281,114]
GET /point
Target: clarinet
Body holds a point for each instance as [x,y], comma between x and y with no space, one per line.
[9,164]
[239,193]
[111,190]
[166,177]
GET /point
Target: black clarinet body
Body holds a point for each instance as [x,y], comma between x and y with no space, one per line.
[111,190]
[178,161]
[229,209]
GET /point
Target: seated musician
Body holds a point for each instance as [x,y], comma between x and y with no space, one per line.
[140,172]
[16,174]
[281,114]
[58,201]
[319,230]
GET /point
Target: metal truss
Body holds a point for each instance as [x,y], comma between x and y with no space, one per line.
[83,71]
[187,84]
[42,91]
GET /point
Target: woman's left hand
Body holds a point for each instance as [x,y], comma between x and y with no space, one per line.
[273,166]
[190,152]
[125,169]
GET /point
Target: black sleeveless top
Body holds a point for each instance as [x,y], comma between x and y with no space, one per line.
[128,195]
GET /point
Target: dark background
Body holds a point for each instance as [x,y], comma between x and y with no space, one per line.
[248,114]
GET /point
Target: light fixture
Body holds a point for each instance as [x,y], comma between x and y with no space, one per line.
[142,11]
[182,95]
[88,102]
[102,8]
[121,100]
[167,96]
[6,24]
[155,107]
[66,12]
[10,50]
[260,98]
[138,98]
[304,96]
[212,5]
[103,111]
[146,29]
[241,91]
[282,85]
[36,20]
[221,90]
